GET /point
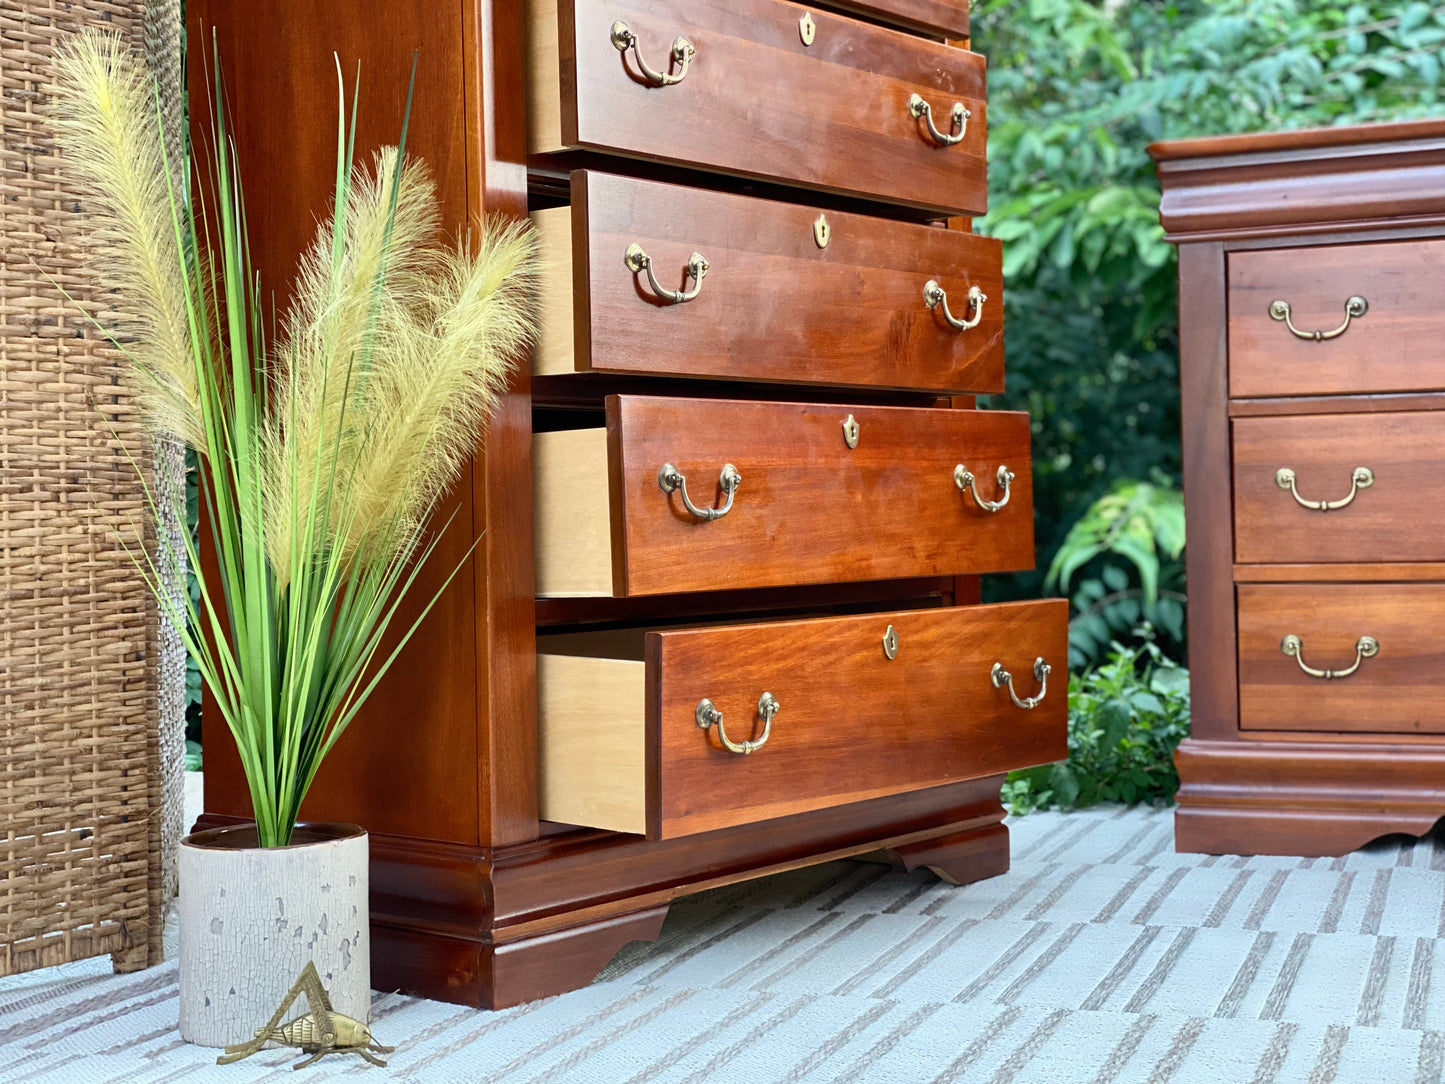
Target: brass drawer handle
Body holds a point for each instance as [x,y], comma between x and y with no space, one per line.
[1366,647]
[920,109]
[682,53]
[672,480]
[1355,306]
[935,297]
[708,715]
[963,478]
[697,266]
[1362,478]
[1001,679]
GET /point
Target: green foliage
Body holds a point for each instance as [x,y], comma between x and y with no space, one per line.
[1126,717]
[1141,524]
[193,756]
[193,591]
[1077,91]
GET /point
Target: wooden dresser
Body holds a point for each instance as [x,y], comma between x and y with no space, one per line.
[1312,357]
[723,618]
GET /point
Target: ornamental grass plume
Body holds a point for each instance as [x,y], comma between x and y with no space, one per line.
[322,454]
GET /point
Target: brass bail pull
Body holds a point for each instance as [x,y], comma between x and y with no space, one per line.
[697,267]
[1002,679]
[708,715]
[1360,478]
[964,479]
[1366,647]
[936,298]
[681,56]
[672,480]
[1355,306]
[958,116]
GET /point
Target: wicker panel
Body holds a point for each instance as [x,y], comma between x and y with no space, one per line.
[81,789]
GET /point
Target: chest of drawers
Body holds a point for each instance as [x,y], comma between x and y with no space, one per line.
[723,616]
[1312,265]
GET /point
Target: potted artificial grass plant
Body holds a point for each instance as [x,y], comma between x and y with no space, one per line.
[325,439]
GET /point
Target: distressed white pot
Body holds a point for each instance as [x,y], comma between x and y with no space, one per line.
[251,917]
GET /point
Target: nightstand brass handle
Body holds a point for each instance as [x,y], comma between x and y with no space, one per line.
[697,266]
[963,478]
[921,110]
[1355,306]
[1361,478]
[708,715]
[935,297]
[1366,647]
[671,480]
[1002,679]
[682,53]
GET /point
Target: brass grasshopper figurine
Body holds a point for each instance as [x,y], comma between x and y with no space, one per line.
[319,1032]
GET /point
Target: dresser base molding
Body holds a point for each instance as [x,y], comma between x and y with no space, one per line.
[496,927]
[1299,798]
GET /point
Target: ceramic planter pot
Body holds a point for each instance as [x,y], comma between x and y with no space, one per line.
[251,917]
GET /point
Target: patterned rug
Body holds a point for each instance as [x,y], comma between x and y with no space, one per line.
[1102,958]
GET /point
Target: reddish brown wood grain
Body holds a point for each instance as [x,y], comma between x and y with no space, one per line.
[757,102]
[1311,799]
[1336,404]
[1383,572]
[853,724]
[1209,556]
[810,510]
[1394,347]
[1400,690]
[945,18]
[774,306]
[1406,452]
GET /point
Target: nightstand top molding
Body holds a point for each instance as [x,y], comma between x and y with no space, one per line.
[1311,180]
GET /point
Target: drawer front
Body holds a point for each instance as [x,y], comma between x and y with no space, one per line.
[1400,689]
[774,304]
[945,18]
[809,509]
[851,723]
[1375,471]
[1393,346]
[756,101]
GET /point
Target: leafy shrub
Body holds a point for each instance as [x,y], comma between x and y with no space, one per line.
[1138,527]
[1126,717]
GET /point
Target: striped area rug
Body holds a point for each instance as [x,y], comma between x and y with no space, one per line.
[1102,958]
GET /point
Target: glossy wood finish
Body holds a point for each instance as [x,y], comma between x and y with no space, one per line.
[1309,799]
[1393,347]
[463,924]
[1209,556]
[1263,202]
[809,509]
[944,18]
[757,102]
[853,724]
[1308,183]
[1400,690]
[1422,572]
[1406,452]
[773,306]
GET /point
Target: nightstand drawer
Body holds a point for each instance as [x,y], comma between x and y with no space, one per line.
[925,492]
[1342,657]
[1374,473]
[844,106]
[831,718]
[786,293]
[1376,308]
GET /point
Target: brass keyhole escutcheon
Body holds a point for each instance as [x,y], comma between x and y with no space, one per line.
[890,643]
[807,29]
[850,431]
[822,231]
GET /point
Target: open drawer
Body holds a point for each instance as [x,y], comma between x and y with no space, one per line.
[815,713]
[772,495]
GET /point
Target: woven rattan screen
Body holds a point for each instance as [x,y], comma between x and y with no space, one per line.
[86,769]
